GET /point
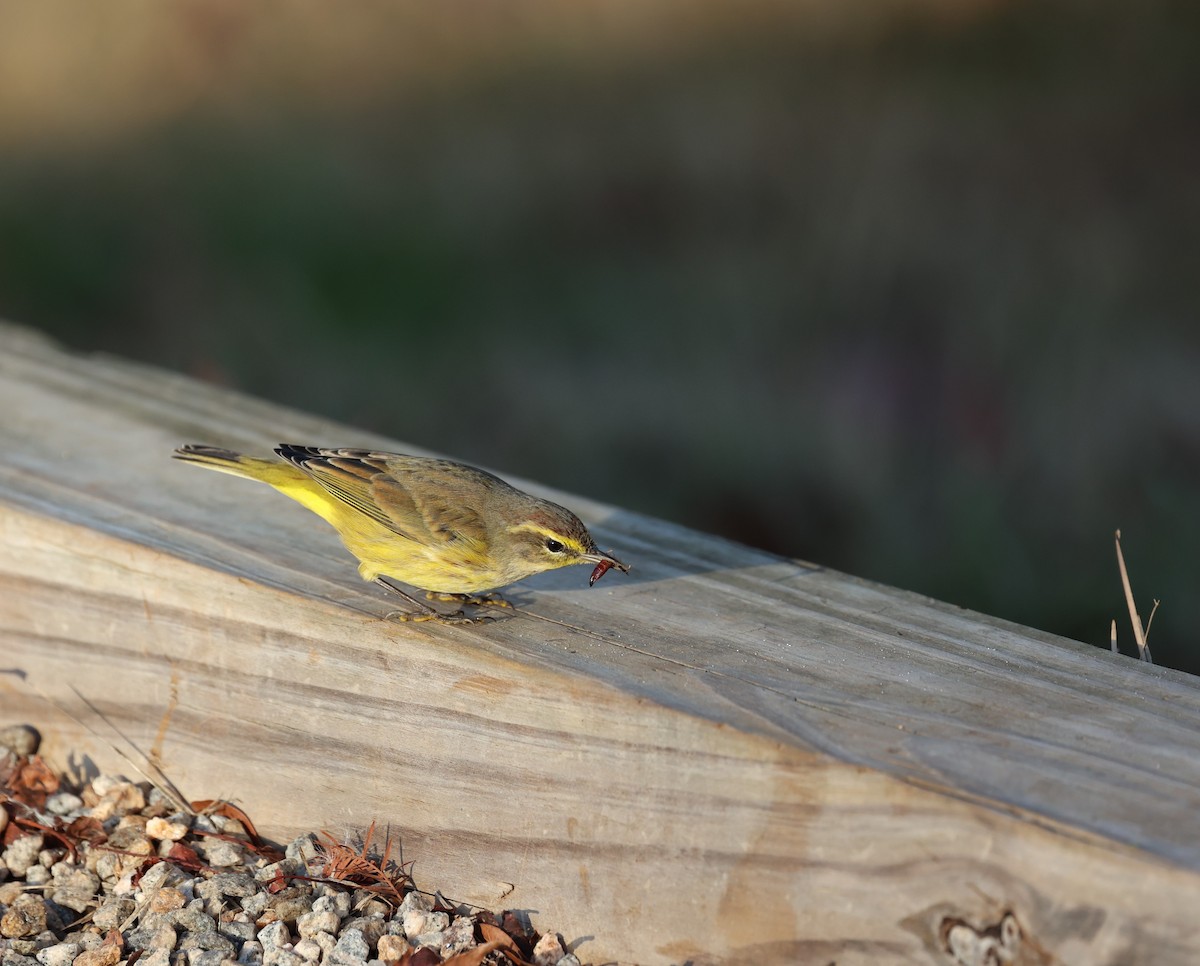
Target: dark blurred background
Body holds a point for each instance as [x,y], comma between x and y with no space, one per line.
[906,288]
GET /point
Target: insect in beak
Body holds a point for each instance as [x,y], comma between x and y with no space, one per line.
[605,563]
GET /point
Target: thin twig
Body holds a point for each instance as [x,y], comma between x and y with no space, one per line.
[1150,619]
[1139,633]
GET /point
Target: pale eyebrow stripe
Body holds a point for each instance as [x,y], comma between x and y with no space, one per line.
[560,537]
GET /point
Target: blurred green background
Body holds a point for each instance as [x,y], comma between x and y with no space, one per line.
[908,289]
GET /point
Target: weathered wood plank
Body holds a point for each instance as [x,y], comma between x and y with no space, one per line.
[725,757]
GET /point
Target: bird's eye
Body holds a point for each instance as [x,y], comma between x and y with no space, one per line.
[554,546]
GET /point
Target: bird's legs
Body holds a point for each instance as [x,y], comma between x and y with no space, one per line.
[423,612]
[470,600]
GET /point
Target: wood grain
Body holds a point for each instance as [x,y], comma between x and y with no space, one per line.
[725,757]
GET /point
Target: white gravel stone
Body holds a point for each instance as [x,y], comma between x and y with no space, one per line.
[209,942]
[251,953]
[326,942]
[19,739]
[274,936]
[304,848]
[459,936]
[370,926]
[88,940]
[37,875]
[159,799]
[156,877]
[124,886]
[155,957]
[414,900]
[60,954]
[418,924]
[314,922]
[254,905]
[112,913]
[414,922]
[351,948]
[23,853]
[310,949]
[220,854]
[103,784]
[285,868]
[339,903]
[162,830]
[548,951]
[433,940]
[192,918]
[157,934]
[74,887]
[116,796]
[240,929]
[393,947]
[372,908]
[208,957]
[282,957]
[63,803]
[228,884]
[289,908]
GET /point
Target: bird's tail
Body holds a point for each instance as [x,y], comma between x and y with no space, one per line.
[269,471]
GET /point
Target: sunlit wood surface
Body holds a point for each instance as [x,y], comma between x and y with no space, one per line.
[723,757]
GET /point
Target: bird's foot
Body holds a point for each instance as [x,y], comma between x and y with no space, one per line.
[470,600]
[422,612]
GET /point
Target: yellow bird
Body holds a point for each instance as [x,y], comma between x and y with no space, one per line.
[449,529]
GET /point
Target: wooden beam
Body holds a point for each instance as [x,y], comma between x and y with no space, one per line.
[726,757]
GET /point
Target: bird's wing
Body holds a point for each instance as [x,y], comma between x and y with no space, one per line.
[347,474]
[375,484]
[428,493]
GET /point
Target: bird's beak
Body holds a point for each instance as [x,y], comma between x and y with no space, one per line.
[604,563]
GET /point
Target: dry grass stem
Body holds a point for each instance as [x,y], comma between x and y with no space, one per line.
[1139,632]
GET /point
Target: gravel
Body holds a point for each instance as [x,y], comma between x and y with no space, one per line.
[115,871]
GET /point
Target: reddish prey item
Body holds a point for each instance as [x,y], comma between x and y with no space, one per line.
[604,566]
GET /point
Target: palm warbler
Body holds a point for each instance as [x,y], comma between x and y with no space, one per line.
[449,529]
